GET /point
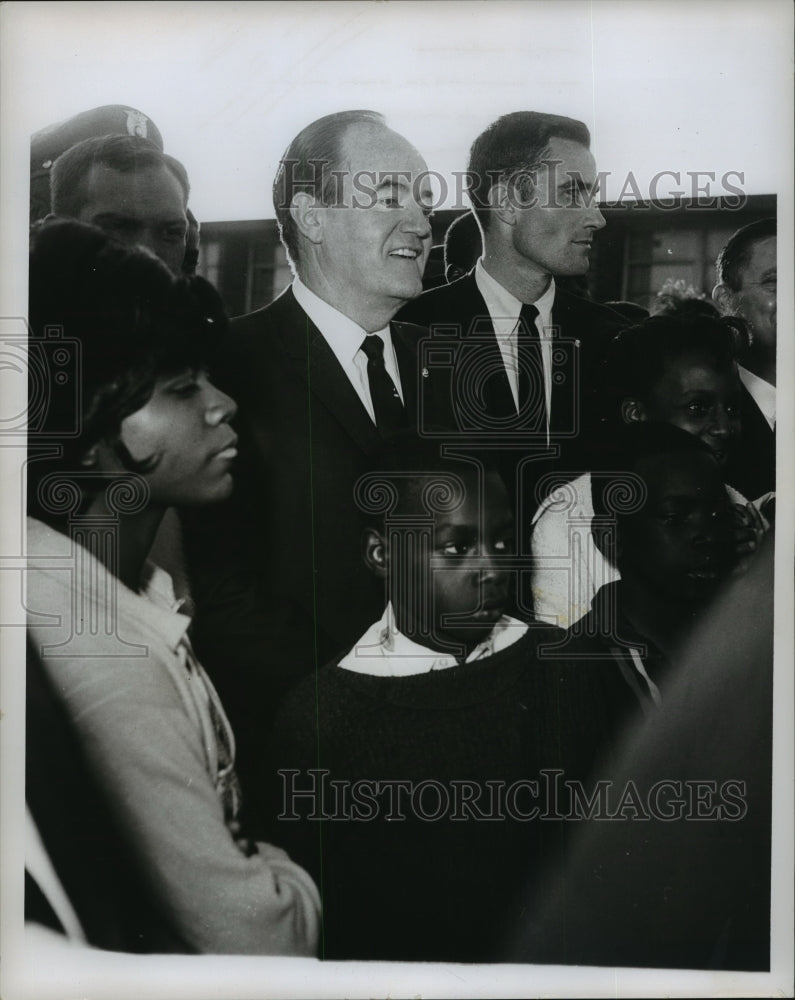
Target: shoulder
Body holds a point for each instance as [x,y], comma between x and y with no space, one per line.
[442,304]
[255,342]
[540,643]
[284,308]
[308,700]
[408,334]
[565,500]
[568,306]
[62,578]
[330,710]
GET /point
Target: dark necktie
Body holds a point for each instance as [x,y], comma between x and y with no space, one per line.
[390,414]
[532,395]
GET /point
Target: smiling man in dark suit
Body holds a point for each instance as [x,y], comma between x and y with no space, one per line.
[532,183]
[321,376]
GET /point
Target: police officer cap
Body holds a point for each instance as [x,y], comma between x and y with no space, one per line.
[48,143]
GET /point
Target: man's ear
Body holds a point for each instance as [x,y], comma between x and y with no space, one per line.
[307,214]
[375,552]
[633,411]
[503,202]
[101,456]
[724,299]
[90,458]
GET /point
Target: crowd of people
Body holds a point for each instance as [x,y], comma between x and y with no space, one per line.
[350,617]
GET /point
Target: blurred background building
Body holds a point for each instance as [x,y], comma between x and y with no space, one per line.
[642,246]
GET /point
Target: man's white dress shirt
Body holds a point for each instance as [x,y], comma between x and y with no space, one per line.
[504,309]
[345,337]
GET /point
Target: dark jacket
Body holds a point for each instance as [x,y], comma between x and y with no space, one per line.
[278,577]
[752,465]
[420,874]
[482,404]
[582,328]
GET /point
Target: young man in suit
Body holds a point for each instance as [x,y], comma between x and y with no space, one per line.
[526,350]
[532,182]
[321,376]
[746,271]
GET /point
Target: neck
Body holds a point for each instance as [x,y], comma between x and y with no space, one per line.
[761,363]
[426,636]
[664,623]
[369,314]
[525,280]
[135,535]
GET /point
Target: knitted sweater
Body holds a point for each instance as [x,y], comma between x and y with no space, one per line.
[427,848]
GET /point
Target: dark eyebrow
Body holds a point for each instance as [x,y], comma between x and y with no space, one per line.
[575,180]
[113,217]
[682,498]
[677,498]
[391,184]
[460,528]
[390,181]
[118,217]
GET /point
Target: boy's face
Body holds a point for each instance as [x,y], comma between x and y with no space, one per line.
[703,400]
[468,590]
[676,547]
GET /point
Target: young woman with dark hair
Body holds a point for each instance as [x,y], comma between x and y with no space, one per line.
[125,425]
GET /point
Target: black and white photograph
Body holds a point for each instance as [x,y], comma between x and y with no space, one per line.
[396,518]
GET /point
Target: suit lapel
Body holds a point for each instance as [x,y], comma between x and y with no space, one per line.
[479,336]
[406,342]
[755,421]
[755,451]
[565,368]
[317,364]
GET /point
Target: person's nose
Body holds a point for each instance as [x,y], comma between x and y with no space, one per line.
[595,220]
[490,571]
[416,221]
[220,408]
[705,530]
[149,239]
[721,423]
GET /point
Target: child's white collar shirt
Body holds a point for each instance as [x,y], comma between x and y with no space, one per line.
[385,652]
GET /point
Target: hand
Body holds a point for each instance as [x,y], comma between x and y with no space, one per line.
[748,531]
